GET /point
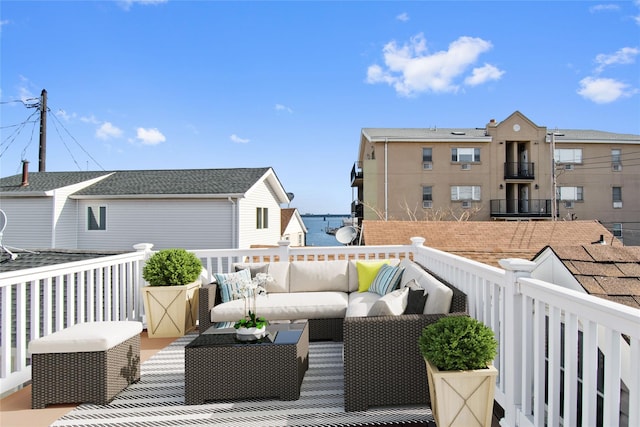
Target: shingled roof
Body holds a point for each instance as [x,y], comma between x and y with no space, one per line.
[142,182]
[46,257]
[488,241]
[608,272]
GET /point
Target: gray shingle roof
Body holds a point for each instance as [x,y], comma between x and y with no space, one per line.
[143,182]
[452,134]
[46,257]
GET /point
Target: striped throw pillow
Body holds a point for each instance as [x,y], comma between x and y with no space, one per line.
[230,283]
[386,280]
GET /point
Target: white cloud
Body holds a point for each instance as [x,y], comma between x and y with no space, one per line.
[603,7]
[107,130]
[150,136]
[410,69]
[483,74]
[90,119]
[626,55]
[126,4]
[280,107]
[604,91]
[3,23]
[64,115]
[404,17]
[235,138]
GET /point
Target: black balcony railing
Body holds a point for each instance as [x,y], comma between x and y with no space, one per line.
[356,173]
[502,208]
[519,170]
[357,210]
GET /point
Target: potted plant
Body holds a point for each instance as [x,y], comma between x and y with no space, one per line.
[171,299]
[251,326]
[458,351]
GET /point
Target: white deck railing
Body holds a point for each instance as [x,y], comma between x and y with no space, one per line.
[39,301]
[552,341]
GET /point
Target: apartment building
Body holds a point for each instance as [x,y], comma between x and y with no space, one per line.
[509,170]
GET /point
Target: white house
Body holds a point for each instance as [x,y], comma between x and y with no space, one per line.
[293,228]
[113,210]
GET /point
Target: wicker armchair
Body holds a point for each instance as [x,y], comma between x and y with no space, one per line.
[382,362]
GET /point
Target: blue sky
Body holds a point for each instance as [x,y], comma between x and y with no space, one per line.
[176,84]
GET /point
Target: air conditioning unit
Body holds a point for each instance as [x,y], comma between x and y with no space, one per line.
[466,167]
[617,167]
[617,205]
[568,204]
[568,167]
[427,204]
[427,166]
[466,204]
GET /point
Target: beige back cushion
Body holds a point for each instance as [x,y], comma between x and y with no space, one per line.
[314,276]
[280,273]
[440,296]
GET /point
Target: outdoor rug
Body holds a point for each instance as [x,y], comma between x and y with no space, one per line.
[158,399]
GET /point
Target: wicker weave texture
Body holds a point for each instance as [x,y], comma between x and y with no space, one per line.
[246,371]
[84,377]
[382,362]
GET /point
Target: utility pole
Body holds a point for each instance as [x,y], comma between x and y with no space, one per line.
[42,160]
[554,183]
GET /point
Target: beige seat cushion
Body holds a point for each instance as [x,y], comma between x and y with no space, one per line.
[282,306]
[84,337]
[360,303]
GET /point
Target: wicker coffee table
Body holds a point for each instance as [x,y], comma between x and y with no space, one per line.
[220,367]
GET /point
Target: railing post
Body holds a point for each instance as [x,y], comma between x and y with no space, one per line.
[283,250]
[511,351]
[139,280]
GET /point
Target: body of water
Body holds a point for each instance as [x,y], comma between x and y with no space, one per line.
[317,226]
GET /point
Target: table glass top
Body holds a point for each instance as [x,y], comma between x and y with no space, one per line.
[277,334]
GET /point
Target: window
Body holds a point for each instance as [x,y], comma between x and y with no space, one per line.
[616,194]
[570,193]
[465,192]
[465,155]
[568,155]
[427,159]
[262,218]
[97,218]
[427,196]
[617,229]
[616,160]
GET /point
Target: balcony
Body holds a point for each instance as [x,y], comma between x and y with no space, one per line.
[357,209]
[519,170]
[563,355]
[531,208]
[356,174]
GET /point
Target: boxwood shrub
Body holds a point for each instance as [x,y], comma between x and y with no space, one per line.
[172,267]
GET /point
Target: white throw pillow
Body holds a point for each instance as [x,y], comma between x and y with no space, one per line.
[392,304]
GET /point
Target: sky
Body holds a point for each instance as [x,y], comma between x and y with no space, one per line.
[177,84]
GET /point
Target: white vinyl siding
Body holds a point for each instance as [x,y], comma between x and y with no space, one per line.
[259,196]
[167,223]
[29,222]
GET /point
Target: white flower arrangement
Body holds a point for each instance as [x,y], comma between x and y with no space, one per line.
[249,292]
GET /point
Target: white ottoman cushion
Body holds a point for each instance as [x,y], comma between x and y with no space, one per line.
[85,337]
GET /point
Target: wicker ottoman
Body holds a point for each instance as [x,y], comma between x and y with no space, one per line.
[85,363]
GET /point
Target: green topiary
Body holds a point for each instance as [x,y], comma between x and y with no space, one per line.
[458,343]
[172,267]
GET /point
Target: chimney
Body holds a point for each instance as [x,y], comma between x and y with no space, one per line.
[25,173]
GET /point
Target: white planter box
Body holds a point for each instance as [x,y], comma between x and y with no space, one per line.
[171,311]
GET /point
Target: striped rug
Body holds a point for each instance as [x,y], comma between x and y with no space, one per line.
[158,400]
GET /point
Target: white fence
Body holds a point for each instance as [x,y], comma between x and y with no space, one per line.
[39,301]
[552,341]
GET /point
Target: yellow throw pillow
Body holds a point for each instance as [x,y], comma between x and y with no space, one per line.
[367,271]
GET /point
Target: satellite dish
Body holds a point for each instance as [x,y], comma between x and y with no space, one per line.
[345,235]
[3,221]
[290,196]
